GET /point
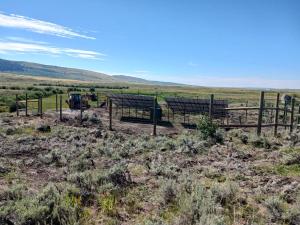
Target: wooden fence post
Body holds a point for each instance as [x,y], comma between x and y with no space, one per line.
[285,114]
[110,114]
[39,106]
[211,105]
[276,114]
[260,112]
[298,116]
[246,112]
[60,107]
[154,116]
[17,104]
[26,105]
[292,115]
[56,103]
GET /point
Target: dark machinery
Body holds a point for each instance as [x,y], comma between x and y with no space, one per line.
[77,101]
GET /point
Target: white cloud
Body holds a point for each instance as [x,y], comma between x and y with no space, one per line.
[7,47]
[21,39]
[38,26]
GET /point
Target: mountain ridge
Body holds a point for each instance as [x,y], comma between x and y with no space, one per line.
[59,72]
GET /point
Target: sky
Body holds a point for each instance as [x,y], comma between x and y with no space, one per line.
[227,43]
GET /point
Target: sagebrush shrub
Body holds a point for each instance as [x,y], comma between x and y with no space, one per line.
[276,208]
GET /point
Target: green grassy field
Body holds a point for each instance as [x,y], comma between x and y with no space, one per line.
[15,84]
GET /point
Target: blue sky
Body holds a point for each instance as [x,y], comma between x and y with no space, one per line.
[254,43]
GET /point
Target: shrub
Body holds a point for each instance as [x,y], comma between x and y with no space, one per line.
[276,208]
[107,203]
[206,127]
[244,138]
[13,106]
[260,142]
[53,205]
[10,131]
[169,192]
[43,128]
[198,207]
[94,119]
[192,145]
[226,193]
[219,136]
[119,176]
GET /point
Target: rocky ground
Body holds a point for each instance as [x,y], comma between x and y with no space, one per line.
[67,173]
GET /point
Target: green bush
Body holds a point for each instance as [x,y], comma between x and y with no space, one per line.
[206,127]
[260,142]
[13,106]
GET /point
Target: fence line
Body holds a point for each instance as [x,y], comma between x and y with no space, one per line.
[293,123]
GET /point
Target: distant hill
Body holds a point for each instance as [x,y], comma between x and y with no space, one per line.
[41,70]
[35,69]
[136,80]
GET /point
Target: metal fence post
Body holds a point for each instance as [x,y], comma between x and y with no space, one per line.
[260,113]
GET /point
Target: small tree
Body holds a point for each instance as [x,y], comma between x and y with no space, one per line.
[207,127]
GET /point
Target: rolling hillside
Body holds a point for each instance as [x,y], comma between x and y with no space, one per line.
[136,80]
[49,71]
[35,69]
